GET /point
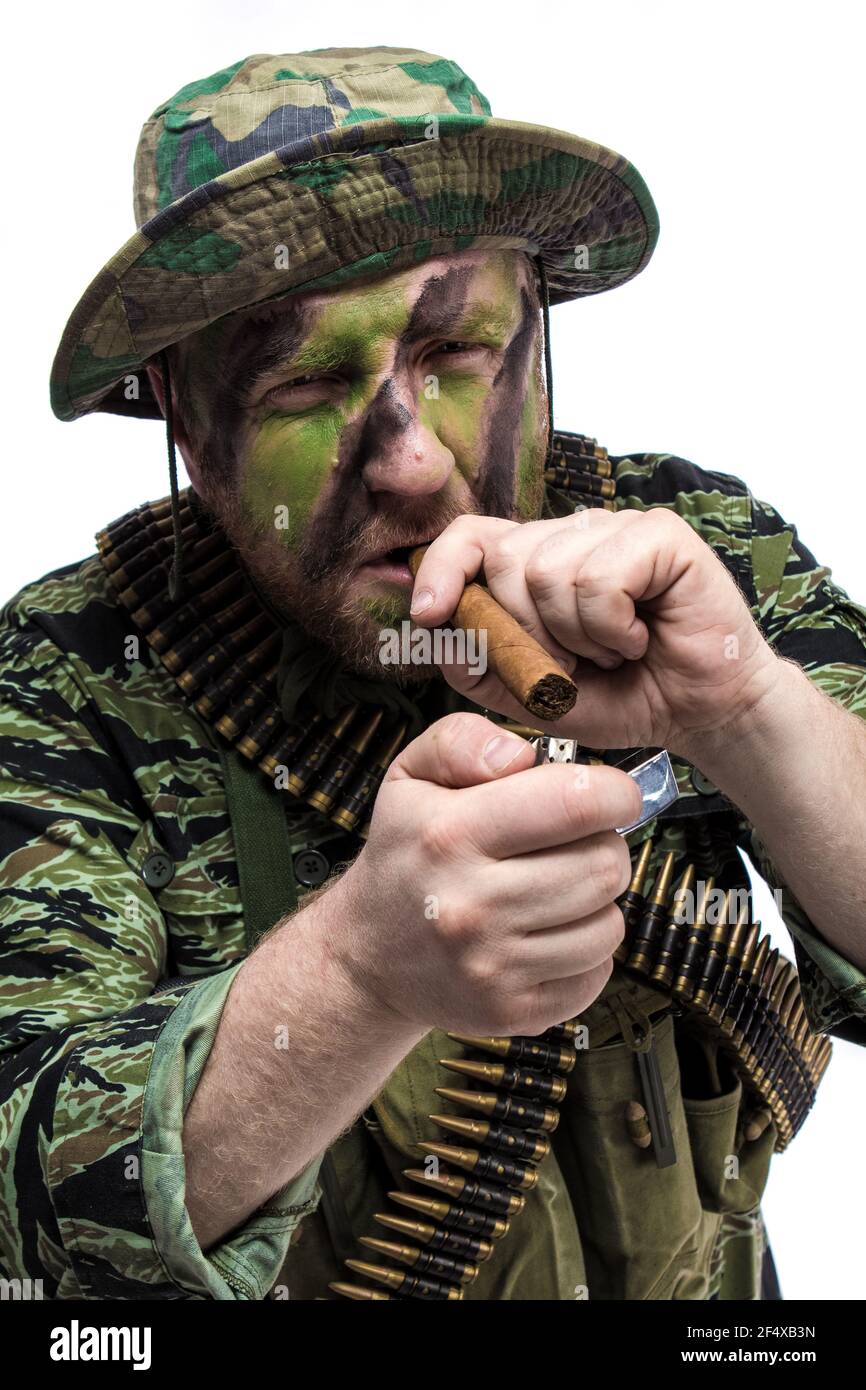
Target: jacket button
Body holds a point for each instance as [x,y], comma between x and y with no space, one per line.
[703,784]
[311,867]
[157,870]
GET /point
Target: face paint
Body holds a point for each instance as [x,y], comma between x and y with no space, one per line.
[395,435]
[390,416]
[532,447]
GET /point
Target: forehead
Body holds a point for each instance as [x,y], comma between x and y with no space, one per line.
[468,277]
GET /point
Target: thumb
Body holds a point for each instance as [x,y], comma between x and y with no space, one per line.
[462,750]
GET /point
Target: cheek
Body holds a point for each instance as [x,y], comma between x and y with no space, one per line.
[289,463]
[457,419]
[529,476]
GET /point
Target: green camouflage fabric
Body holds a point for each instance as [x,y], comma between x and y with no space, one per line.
[292,172]
[113,990]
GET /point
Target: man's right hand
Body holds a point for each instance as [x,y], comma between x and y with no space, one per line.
[483,901]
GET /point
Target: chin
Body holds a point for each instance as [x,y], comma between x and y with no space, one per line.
[404,673]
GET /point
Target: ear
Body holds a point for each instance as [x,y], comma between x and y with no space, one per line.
[181,434]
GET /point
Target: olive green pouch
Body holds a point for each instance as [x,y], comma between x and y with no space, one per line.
[649,1232]
[731,1173]
[643,1229]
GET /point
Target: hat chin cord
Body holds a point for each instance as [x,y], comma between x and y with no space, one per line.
[548,366]
[175,578]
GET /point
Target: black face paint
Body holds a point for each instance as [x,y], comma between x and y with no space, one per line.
[250,354]
[497,478]
[346,504]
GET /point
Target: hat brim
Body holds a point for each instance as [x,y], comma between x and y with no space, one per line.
[356,201]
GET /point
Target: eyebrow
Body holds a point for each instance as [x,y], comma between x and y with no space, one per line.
[261,345]
[485,316]
[275,343]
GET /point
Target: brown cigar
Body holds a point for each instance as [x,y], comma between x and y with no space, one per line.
[530,673]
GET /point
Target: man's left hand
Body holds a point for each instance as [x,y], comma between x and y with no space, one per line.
[635,606]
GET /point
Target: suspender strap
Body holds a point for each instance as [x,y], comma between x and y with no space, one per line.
[264,858]
[262,846]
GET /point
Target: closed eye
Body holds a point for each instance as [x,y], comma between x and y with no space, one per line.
[302,387]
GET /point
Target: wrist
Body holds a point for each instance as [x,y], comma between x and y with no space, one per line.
[761,728]
[336,928]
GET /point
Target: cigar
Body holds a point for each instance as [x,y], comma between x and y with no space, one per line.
[526,670]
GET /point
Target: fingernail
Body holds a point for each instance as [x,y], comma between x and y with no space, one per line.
[422,601]
[502,750]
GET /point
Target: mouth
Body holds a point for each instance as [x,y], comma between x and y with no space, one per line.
[392,565]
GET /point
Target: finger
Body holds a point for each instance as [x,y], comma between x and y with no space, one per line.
[554,574]
[505,562]
[461,750]
[562,952]
[628,567]
[554,804]
[558,1000]
[451,561]
[538,891]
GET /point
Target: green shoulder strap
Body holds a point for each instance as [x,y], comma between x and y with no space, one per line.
[262,846]
[264,858]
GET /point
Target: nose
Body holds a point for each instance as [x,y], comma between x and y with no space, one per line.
[399,452]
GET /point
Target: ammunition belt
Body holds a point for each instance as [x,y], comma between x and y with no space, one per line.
[730,985]
[724,979]
[446,1237]
[222,647]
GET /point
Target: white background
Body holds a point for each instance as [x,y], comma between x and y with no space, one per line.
[737,348]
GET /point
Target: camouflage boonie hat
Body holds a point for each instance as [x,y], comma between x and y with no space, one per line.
[288,173]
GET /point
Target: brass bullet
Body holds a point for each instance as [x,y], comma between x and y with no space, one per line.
[756,1123]
[697,937]
[741,1023]
[651,922]
[339,771]
[713,959]
[423,1261]
[562,1032]
[515,1143]
[731,1007]
[358,797]
[530,1083]
[631,903]
[637,1123]
[522,1114]
[437,1237]
[357,1291]
[453,1216]
[731,964]
[484,1165]
[529,1052]
[673,936]
[413,1285]
[471,1191]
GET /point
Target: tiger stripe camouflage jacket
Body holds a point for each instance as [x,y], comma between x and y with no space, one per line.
[112,986]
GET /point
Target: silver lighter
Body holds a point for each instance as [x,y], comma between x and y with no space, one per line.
[654,775]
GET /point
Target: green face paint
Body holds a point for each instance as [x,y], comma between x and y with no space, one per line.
[290,462]
[368,418]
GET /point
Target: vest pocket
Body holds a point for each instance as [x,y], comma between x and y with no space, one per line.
[731,1172]
[644,1232]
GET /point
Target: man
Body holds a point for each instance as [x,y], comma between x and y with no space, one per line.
[338,299]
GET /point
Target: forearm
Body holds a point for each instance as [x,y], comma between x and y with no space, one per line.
[299,1053]
[796,767]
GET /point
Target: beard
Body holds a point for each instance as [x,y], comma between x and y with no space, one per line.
[312,584]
